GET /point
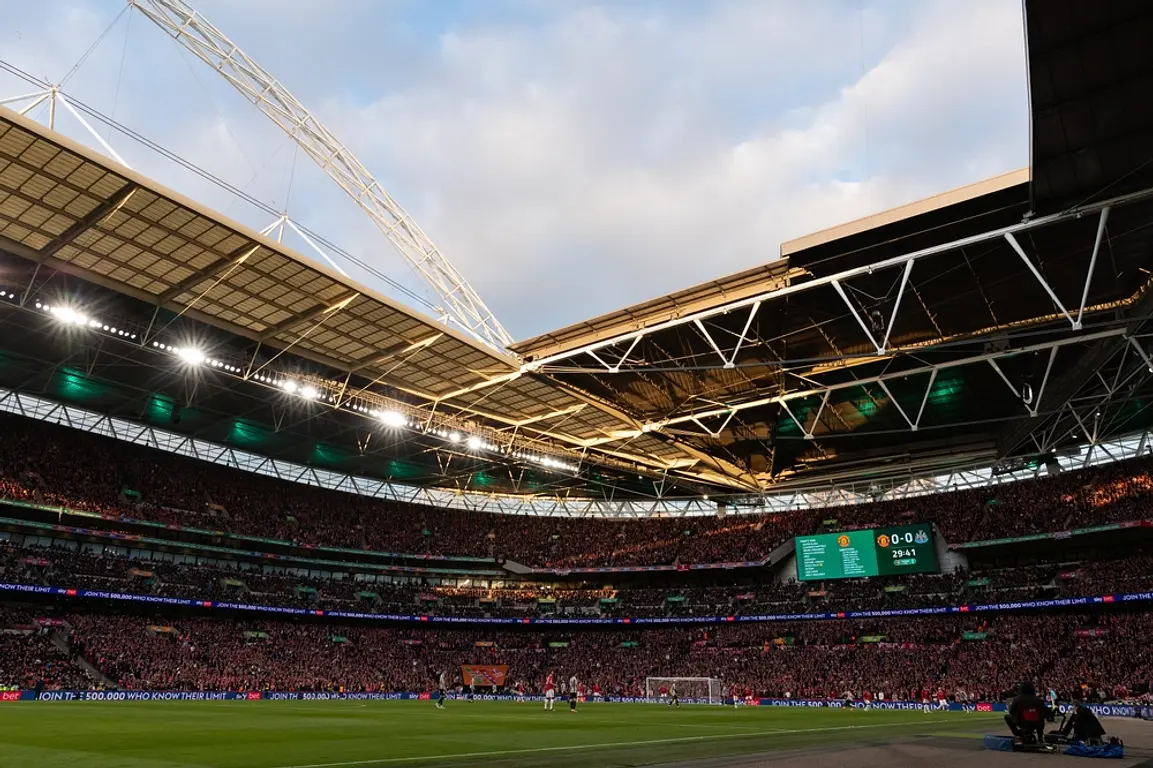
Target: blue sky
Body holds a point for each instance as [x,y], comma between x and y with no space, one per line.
[569,157]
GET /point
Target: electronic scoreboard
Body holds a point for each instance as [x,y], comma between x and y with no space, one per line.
[867,552]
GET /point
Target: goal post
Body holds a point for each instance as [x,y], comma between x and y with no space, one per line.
[688,688]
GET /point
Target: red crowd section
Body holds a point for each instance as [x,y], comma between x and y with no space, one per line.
[1104,657]
[65,467]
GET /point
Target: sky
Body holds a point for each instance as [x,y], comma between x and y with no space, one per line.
[569,158]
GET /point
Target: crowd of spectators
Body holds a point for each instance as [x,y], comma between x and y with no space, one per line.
[60,466]
[29,658]
[70,567]
[1099,656]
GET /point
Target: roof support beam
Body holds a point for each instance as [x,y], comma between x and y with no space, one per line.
[897,303]
[727,361]
[896,404]
[391,351]
[1041,279]
[553,415]
[857,316]
[236,257]
[1092,262]
[59,97]
[90,220]
[828,280]
[489,382]
[932,370]
[925,399]
[319,310]
[1087,366]
[1140,351]
[78,228]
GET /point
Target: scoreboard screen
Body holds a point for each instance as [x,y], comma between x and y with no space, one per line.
[867,552]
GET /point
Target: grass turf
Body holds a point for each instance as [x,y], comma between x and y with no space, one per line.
[344,734]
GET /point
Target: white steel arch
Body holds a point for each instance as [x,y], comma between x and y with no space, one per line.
[462,304]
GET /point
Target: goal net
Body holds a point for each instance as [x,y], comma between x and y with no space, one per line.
[688,688]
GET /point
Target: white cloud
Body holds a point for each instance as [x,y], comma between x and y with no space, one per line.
[568,177]
[571,158]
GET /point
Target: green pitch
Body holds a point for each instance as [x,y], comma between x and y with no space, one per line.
[344,734]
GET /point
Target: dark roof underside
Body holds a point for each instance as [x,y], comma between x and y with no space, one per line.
[1090,80]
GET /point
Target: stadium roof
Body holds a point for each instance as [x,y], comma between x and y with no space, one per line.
[67,211]
[904,343]
[1090,75]
[1001,320]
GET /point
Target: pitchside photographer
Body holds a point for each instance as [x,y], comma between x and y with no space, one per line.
[1083,726]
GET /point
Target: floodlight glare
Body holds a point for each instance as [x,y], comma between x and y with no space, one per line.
[309,393]
[69,315]
[392,418]
[474,442]
[290,387]
[191,355]
[454,437]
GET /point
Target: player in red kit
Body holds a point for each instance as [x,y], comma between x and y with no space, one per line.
[549,692]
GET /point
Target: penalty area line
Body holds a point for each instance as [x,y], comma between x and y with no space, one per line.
[603,745]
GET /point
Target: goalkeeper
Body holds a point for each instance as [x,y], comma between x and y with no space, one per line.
[673,700]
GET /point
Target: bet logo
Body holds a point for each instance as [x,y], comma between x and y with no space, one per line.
[883,540]
[843,540]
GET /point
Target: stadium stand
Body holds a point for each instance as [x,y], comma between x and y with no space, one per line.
[29,657]
[57,466]
[968,658]
[1130,570]
[835,386]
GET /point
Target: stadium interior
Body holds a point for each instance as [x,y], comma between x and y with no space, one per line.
[225,466]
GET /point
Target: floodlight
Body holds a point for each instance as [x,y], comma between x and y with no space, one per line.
[290,387]
[454,437]
[308,392]
[474,442]
[69,315]
[191,355]
[392,418]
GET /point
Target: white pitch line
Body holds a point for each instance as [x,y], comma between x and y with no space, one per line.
[682,739]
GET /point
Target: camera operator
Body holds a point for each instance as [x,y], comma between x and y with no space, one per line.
[1027,715]
[1084,725]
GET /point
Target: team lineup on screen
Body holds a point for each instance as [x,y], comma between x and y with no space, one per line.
[866,552]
